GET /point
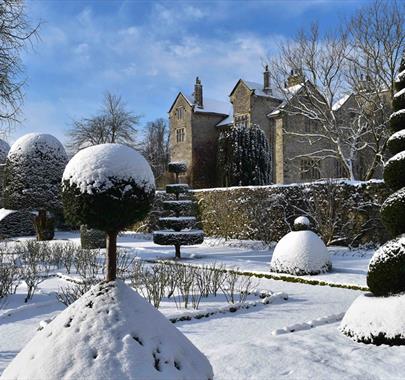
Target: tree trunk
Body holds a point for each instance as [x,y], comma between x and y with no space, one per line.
[178,255]
[111,256]
[43,226]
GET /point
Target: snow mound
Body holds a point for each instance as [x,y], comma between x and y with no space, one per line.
[31,143]
[96,167]
[111,332]
[4,149]
[377,320]
[300,253]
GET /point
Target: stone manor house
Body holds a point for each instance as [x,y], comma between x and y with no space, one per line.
[196,121]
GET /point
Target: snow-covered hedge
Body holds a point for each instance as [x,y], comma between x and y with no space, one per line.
[340,212]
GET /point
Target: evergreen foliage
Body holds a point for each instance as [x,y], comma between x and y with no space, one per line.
[244,157]
[32,178]
[386,274]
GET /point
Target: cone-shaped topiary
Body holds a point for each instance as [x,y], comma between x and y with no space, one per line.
[386,262]
[108,187]
[376,318]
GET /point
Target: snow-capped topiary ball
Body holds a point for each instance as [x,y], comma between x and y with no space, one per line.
[4,149]
[33,172]
[107,187]
[301,223]
[300,253]
[110,332]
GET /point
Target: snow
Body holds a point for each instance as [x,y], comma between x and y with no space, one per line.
[394,114]
[94,168]
[211,106]
[399,93]
[336,106]
[398,157]
[4,149]
[257,88]
[4,212]
[241,345]
[109,333]
[300,252]
[302,220]
[29,144]
[390,250]
[370,316]
[227,121]
[400,76]
[398,135]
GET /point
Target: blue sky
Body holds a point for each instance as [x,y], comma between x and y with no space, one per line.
[147,51]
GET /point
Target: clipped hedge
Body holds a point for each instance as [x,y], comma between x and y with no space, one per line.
[345,213]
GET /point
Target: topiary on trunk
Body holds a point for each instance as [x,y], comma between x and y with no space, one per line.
[108,187]
[386,274]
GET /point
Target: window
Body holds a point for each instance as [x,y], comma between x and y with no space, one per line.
[309,169]
[340,170]
[241,121]
[180,134]
[180,113]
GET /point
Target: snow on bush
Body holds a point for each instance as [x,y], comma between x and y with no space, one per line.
[97,168]
[34,168]
[376,320]
[111,332]
[386,271]
[301,223]
[300,252]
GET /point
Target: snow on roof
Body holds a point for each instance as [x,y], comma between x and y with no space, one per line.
[287,94]
[227,121]
[337,105]
[210,106]
[256,87]
[33,142]
[94,167]
[110,332]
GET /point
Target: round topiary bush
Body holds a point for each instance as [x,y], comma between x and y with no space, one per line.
[386,271]
[394,171]
[393,213]
[396,143]
[32,178]
[177,167]
[301,223]
[108,187]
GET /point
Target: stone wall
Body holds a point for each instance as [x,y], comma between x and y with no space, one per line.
[343,213]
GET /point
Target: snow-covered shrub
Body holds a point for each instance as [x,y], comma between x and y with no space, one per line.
[244,156]
[32,177]
[386,271]
[177,230]
[300,253]
[177,167]
[301,223]
[112,333]
[91,238]
[108,187]
[387,267]
[379,318]
[16,223]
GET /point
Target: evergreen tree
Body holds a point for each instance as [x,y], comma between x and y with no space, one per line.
[244,157]
[32,178]
[386,273]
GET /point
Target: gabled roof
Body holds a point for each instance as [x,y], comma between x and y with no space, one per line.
[225,122]
[209,105]
[257,88]
[288,94]
[337,105]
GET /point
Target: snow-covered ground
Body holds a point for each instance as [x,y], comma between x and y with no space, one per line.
[246,344]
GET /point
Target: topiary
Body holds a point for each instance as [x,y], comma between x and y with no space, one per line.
[108,187]
[386,273]
[32,178]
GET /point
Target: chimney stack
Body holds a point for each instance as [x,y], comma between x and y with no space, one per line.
[198,93]
[295,78]
[266,81]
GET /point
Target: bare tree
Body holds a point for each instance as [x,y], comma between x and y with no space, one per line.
[156,146]
[15,32]
[114,124]
[354,67]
